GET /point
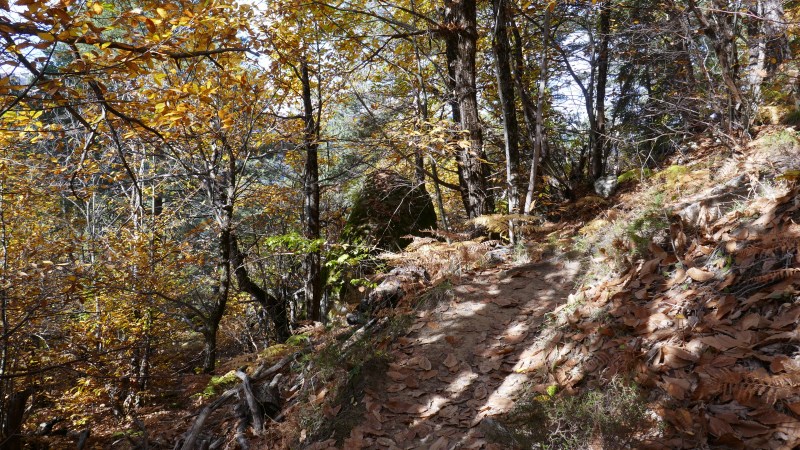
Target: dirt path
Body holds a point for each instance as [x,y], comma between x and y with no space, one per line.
[463,360]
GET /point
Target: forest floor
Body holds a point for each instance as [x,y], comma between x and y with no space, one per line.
[463,360]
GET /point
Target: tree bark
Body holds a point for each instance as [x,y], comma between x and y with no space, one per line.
[312,263]
[505,89]
[768,46]
[599,139]
[11,437]
[460,18]
[538,142]
[276,308]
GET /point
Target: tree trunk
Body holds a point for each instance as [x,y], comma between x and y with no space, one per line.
[722,34]
[451,52]
[210,347]
[312,263]
[599,139]
[505,89]
[539,134]
[276,308]
[768,46]
[11,437]
[222,290]
[460,17]
[438,191]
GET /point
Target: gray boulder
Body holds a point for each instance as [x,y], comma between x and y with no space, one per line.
[606,186]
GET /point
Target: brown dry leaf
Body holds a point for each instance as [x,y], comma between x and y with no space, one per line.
[429,374]
[329,412]
[395,387]
[480,392]
[399,406]
[420,361]
[319,397]
[385,442]
[699,275]
[489,365]
[677,278]
[396,375]
[724,306]
[683,419]
[749,321]
[719,427]
[720,342]
[676,357]
[795,407]
[676,387]
[355,442]
[404,341]
[727,281]
[749,429]
[453,340]
[503,302]
[440,444]
[451,361]
[657,251]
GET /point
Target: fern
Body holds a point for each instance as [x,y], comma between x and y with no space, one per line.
[498,223]
[747,387]
[774,276]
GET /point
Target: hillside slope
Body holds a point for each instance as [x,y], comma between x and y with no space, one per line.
[666,317]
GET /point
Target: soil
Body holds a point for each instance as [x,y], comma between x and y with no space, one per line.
[462,362]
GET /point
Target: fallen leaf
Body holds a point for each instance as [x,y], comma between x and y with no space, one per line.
[720,342]
[699,274]
[502,302]
[451,361]
[719,427]
[480,392]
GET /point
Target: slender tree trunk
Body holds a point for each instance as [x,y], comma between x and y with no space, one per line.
[505,89]
[600,140]
[312,263]
[541,94]
[461,19]
[438,191]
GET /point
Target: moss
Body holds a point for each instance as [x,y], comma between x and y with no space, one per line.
[634,174]
[387,208]
[673,174]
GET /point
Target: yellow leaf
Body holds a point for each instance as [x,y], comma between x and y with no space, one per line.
[161,12]
[97,8]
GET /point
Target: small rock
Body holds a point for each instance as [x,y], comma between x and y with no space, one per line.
[606,186]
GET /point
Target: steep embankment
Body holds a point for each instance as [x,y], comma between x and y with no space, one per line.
[681,334]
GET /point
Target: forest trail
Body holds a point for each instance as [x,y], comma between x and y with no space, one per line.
[463,360]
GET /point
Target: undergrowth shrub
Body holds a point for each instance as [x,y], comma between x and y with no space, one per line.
[611,416]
